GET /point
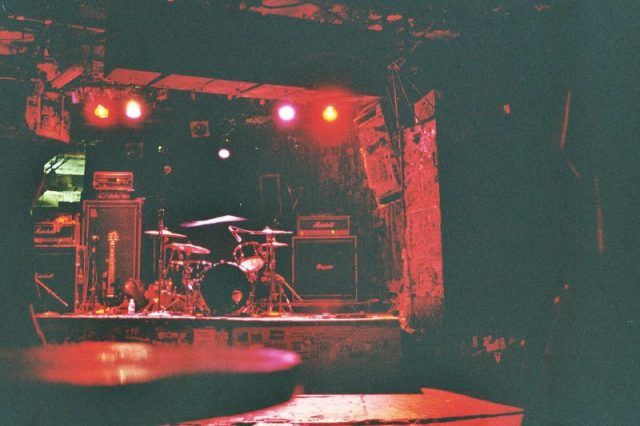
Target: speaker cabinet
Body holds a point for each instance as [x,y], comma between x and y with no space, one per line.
[55,279]
[117,224]
[325,268]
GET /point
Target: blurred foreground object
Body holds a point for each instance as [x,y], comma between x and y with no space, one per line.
[133,383]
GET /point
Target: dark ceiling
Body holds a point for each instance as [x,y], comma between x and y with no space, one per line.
[58,35]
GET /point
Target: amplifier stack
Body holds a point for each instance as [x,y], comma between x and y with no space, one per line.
[325,259]
[58,263]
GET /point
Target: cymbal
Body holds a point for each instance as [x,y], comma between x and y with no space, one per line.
[164,233]
[276,244]
[191,262]
[214,220]
[269,231]
[265,231]
[189,248]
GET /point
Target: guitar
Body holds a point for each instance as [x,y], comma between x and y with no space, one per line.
[111,286]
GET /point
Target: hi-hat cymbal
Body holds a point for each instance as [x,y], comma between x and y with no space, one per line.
[269,231]
[188,248]
[164,233]
[276,244]
[213,221]
[265,231]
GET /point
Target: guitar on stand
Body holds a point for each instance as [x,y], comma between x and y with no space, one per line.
[112,294]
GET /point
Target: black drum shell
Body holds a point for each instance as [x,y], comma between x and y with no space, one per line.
[218,287]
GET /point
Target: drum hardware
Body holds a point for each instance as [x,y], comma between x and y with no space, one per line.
[264,256]
[162,233]
[277,284]
[190,273]
[249,256]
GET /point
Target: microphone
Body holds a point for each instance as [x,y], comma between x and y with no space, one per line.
[95,238]
[234,232]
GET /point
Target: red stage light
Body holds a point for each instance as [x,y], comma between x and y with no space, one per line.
[101,111]
[133,109]
[330,113]
[286,112]
[224,153]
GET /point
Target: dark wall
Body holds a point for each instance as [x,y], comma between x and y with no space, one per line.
[507,203]
[521,216]
[21,163]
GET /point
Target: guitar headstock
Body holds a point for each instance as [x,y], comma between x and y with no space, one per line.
[113,236]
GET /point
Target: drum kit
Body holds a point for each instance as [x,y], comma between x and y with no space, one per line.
[189,284]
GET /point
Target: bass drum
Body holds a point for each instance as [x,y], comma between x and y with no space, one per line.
[225,288]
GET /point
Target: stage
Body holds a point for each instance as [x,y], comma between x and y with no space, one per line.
[334,348]
[354,362]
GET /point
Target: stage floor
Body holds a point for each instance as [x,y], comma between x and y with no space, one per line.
[429,406]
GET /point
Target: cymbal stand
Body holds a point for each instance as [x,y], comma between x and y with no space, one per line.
[251,306]
[277,283]
[156,305]
[188,282]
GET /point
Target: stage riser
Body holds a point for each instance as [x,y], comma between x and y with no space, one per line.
[336,355]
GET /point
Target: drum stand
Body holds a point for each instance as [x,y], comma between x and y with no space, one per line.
[277,284]
[156,305]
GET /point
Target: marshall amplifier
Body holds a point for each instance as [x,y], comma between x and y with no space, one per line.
[56,274]
[323,225]
[325,268]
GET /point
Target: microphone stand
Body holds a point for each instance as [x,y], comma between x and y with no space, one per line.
[161,271]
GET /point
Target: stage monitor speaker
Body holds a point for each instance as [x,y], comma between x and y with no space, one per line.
[112,229]
[55,279]
[325,268]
